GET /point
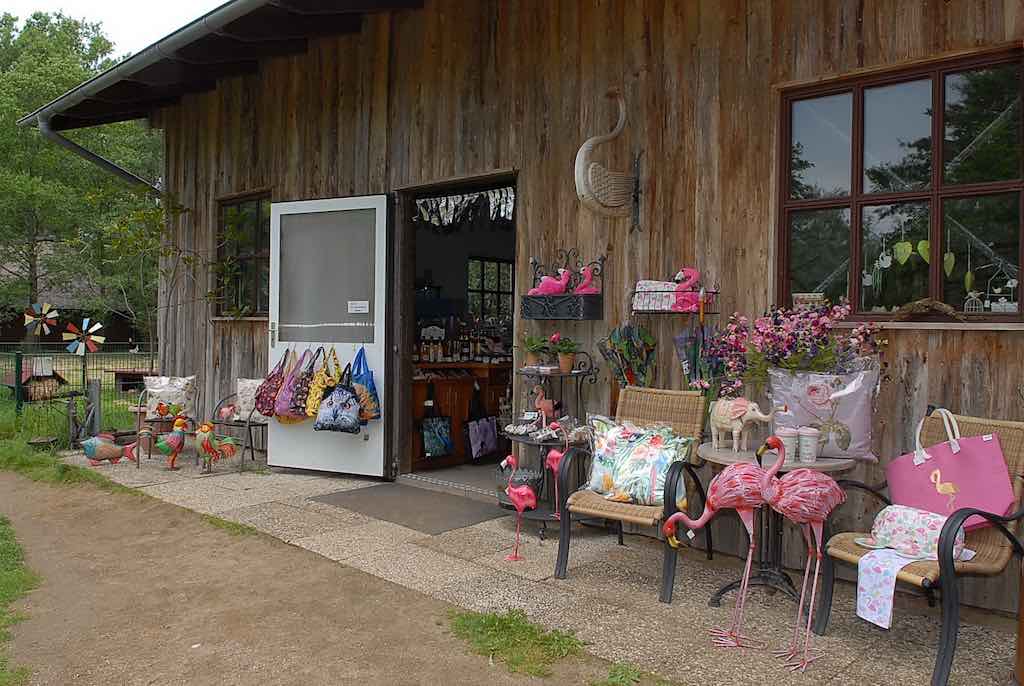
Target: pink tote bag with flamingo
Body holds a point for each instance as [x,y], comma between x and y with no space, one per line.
[959,472]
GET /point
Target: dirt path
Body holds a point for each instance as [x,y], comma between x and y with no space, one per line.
[136,591]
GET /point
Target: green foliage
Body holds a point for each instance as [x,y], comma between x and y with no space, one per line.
[15,581]
[18,457]
[510,637]
[58,213]
[538,345]
[233,528]
[621,674]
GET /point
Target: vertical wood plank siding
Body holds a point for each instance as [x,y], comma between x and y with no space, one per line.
[466,87]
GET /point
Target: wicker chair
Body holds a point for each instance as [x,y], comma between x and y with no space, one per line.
[994,546]
[684,412]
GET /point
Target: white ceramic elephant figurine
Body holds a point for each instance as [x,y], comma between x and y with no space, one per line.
[735,415]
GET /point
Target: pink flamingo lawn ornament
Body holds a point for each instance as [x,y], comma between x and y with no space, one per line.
[687,300]
[737,487]
[587,286]
[549,285]
[805,497]
[544,406]
[554,460]
[522,497]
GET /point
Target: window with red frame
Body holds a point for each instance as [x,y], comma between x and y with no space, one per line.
[906,185]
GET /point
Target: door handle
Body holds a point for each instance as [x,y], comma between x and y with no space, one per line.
[273,334]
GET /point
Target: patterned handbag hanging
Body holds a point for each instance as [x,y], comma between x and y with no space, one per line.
[325,378]
[300,390]
[267,392]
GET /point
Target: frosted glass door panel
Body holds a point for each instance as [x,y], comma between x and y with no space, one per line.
[327,277]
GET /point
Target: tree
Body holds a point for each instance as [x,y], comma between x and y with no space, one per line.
[58,212]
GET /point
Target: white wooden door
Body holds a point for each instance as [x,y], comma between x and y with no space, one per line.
[328,278]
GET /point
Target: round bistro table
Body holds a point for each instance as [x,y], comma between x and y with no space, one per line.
[769,572]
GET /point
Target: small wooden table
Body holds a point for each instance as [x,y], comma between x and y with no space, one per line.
[770,572]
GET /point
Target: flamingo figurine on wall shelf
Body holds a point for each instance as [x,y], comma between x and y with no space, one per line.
[687,300]
[544,406]
[522,497]
[738,487]
[805,497]
[553,461]
[587,286]
[549,285]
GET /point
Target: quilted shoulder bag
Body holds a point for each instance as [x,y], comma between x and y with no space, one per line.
[283,402]
[267,392]
[300,389]
[325,378]
[339,411]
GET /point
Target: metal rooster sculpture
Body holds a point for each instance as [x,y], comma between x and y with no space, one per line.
[211,448]
[605,192]
[171,444]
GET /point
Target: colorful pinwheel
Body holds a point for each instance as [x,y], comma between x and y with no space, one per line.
[40,318]
[84,338]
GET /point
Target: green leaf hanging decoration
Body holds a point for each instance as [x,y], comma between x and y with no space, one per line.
[924,249]
[901,251]
[969,281]
[948,262]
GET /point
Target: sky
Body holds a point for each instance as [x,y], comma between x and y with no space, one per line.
[130,25]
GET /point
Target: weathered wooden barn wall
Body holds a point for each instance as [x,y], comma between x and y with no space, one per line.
[467,87]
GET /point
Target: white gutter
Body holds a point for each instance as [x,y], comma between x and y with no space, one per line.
[165,48]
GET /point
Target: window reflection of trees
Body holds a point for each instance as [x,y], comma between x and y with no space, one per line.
[982,144]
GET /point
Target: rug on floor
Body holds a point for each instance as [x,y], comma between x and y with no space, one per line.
[421,509]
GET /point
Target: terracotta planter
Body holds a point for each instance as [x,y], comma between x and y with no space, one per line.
[566,361]
[532,359]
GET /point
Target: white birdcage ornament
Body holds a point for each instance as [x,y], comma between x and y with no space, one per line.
[973,303]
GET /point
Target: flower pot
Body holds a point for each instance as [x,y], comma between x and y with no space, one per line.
[532,359]
[566,361]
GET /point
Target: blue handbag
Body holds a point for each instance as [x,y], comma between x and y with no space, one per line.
[366,390]
[339,411]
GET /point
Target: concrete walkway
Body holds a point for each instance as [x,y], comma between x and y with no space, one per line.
[609,600]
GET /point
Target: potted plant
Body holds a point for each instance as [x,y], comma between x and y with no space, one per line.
[566,349]
[535,346]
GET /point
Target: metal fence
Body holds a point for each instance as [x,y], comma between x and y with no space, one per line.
[45,389]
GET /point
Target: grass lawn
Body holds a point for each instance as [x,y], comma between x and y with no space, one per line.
[15,581]
[512,639]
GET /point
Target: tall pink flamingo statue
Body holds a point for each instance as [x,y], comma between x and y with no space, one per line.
[549,285]
[522,497]
[806,497]
[687,300]
[587,286]
[737,487]
[554,460]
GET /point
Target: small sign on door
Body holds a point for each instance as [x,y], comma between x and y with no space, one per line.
[358,306]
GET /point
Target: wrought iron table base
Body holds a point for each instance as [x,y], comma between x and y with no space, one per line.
[768,572]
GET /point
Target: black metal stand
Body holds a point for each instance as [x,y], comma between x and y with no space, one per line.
[769,572]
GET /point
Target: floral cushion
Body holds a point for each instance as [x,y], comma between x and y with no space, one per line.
[245,400]
[176,391]
[630,462]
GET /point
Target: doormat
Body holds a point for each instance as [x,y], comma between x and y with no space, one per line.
[421,509]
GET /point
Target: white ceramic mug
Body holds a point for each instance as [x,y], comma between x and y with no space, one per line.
[809,443]
[790,440]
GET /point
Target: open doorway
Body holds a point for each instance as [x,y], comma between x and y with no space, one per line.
[461,332]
